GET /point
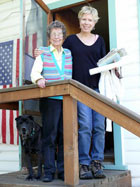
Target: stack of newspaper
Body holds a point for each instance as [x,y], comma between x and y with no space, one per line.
[110,61]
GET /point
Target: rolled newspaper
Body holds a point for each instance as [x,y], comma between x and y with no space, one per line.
[110,61]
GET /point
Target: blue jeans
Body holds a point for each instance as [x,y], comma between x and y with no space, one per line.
[52,125]
[91,134]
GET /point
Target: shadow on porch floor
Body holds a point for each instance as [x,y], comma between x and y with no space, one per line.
[114,179]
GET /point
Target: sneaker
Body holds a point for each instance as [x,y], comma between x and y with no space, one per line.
[97,169]
[48,178]
[85,172]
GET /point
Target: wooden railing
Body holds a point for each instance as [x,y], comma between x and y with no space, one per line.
[72,92]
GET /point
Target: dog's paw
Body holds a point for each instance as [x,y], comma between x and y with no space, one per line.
[30,178]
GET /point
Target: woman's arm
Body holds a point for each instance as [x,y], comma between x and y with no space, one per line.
[36,76]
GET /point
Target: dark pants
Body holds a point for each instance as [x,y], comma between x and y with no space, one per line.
[52,121]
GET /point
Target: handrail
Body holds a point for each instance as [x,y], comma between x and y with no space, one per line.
[60,88]
[72,91]
[9,98]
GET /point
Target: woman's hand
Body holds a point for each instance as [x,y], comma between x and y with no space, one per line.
[118,73]
[41,83]
[37,52]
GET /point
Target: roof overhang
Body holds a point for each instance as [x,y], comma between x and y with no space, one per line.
[59,5]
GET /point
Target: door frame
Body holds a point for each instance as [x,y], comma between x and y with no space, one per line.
[117,130]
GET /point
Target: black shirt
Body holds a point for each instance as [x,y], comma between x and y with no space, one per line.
[84,58]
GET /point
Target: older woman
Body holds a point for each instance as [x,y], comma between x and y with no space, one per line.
[55,63]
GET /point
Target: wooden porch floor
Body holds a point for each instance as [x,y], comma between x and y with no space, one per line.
[114,179]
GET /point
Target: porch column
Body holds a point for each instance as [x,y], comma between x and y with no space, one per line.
[70,129]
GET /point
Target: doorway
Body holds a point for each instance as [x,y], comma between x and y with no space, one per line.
[69,18]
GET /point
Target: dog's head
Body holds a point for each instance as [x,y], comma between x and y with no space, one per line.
[26,126]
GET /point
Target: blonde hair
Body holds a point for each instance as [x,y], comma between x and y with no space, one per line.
[89,10]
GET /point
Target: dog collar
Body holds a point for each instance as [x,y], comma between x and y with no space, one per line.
[33,132]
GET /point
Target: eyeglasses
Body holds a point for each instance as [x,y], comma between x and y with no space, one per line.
[56,35]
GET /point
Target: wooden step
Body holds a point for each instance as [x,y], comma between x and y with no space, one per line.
[114,179]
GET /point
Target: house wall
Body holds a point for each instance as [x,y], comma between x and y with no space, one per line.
[10,20]
[10,30]
[128,37]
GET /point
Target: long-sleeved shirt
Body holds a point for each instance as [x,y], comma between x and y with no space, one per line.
[46,66]
[85,58]
[57,64]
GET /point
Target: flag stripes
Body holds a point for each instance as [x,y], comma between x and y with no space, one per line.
[8,130]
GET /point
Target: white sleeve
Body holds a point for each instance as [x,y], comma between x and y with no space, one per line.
[37,69]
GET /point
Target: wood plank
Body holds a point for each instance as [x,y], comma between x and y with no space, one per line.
[33,93]
[114,179]
[43,6]
[118,116]
[9,106]
[116,112]
[71,5]
[29,112]
[71,160]
[31,86]
[106,100]
[49,19]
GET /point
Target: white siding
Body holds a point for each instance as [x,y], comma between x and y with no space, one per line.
[9,158]
[10,30]
[128,37]
[10,20]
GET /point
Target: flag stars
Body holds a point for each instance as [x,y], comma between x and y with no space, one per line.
[6,60]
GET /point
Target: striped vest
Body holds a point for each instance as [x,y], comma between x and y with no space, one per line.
[51,70]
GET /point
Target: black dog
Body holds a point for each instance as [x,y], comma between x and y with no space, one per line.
[31,141]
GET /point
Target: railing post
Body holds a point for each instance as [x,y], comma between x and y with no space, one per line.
[71,160]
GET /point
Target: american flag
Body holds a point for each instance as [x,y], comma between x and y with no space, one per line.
[9,75]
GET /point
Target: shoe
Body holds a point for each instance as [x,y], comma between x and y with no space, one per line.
[61,176]
[85,172]
[48,178]
[97,170]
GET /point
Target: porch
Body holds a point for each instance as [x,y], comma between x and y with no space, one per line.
[73,91]
[114,178]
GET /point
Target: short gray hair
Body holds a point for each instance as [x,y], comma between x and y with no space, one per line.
[89,10]
[54,25]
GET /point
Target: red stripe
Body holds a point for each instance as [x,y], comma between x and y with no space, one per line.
[4,123]
[3,126]
[48,65]
[53,79]
[34,43]
[68,66]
